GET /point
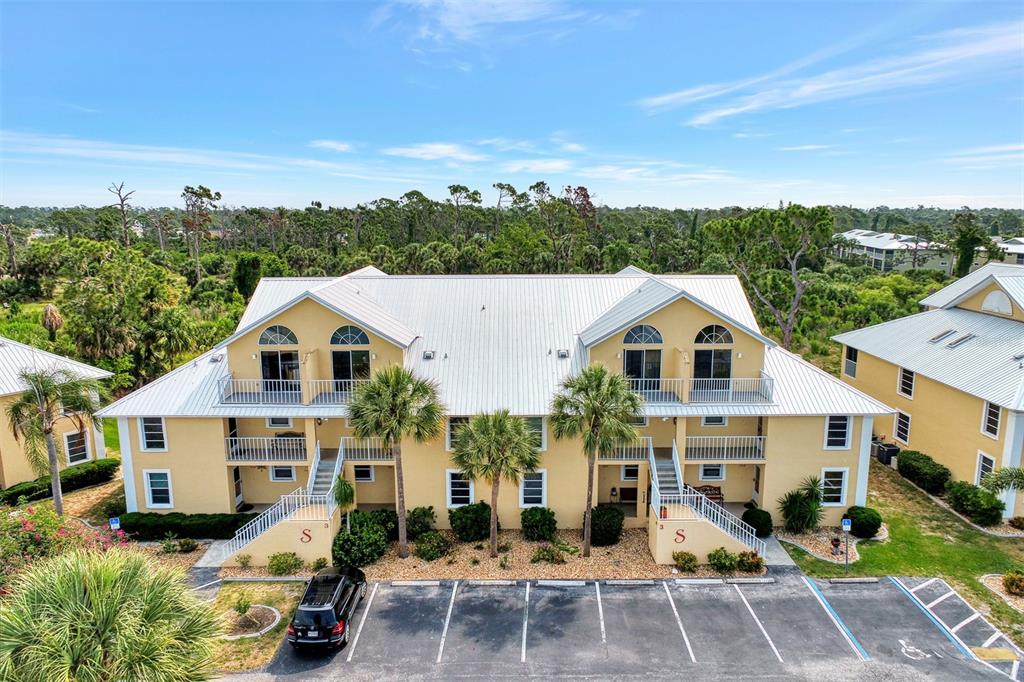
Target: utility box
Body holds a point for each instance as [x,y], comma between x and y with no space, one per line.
[884,453]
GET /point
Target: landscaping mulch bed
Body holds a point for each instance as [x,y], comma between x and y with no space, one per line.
[255,619]
[818,543]
[995,583]
[254,652]
[183,561]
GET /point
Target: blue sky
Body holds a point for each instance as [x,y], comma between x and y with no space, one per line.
[667,104]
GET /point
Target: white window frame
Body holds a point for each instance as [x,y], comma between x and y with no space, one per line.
[448,488]
[275,427]
[849,432]
[276,479]
[448,430]
[543,490]
[854,362]
[373,473]
[724,422]
[543,431]
[67,448]
[142,435]
[845,489]
[149,492]
[622,472]
[895,429]
[984,419]
[899,383]
[642,424]
[977,465]
[712,464]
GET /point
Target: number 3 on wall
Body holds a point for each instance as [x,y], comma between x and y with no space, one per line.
[680,536]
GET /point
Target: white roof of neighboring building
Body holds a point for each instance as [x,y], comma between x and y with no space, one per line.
[1012,245]
[495,341]
[1009,277]
[888,241]
[17,357]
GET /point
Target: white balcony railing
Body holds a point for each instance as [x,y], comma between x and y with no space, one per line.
[333,391]
[364,450]
[258,449]
[260,391]
[632,451]
[724,448]
[743,390]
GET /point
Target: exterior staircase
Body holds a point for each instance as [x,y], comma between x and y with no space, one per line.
[321,479]
[665,471]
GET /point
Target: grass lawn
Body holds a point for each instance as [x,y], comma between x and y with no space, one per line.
[111,437]
[254,652]
[927,540]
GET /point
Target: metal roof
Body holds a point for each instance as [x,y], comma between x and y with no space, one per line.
[17,357]
[889,241]
[983,366]
[1013,245]
[1009,277]
[273,292]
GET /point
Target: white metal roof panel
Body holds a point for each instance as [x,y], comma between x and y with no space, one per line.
[17,357]
[273,292]
[889,241]
[1006,274]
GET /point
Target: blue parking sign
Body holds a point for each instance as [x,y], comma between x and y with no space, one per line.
[847,525]
[115,523]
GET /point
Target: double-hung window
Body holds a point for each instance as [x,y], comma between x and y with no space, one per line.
[990,420]
[76,446]
[153,434]
[850,364]
[158,488]
[837,432]
[459,489]
[281,473]
[453,426]
[833,487]
[536,425]
[533,490]
[363,473]
[986,465]
[906,384]
[902,431]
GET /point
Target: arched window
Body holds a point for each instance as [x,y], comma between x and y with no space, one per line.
[713,333]
[278,335]
[643,333]
[349,336]
[997,302]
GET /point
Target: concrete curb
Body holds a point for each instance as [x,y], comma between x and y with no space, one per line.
[415,583]
[854,581]
[562,583]
[265,579]
[750,581]
[277,619]
[630,582]
[496,583]
[1001,596]
[699,581]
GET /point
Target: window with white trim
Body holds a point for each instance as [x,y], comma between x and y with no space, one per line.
[850,362]
[363,473]
[990,420]
[902,430]
[459,489]
[76,447]
[833,487]
[906,383]
[279,473]
[453,425]
[536,424]
[712,472]
[638,422]
[714,421]
[986,465]
[533,489]
[158,488]
[837,432]
[279,422]
[153,434]
[630,472]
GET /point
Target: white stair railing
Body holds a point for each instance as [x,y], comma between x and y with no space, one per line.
[675,465]
[655,493]
[722,518]
[312,469]
[264,520]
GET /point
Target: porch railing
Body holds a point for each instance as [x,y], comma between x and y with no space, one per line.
[333,391]
[364,449]
[723,519]
[297,505]
[724,448]
[260,391]
[743,390]
[311,479]
[633,451]
[265,449]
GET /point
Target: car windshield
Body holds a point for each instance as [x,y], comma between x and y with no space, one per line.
[314,617]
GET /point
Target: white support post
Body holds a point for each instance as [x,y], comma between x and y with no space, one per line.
[864,460]
[124,435]
[1013,444]
[99,442]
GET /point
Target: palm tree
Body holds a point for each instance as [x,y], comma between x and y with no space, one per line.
[598,406]
[105,616]
[344,497]
[495,447]
[396,404]
[51,395]
[52,321]
[1004,479]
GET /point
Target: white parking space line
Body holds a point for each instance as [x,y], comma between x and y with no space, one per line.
[682,630]
[1014,669]
[940,599]
[362,621]
[926,583]
[447,620]
[965,621]
[991,640]
[526,620]
[837,621]
[600,611]
[756,620]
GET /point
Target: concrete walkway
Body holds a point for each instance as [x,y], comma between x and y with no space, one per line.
[203,574]
[776,555]
[214,555]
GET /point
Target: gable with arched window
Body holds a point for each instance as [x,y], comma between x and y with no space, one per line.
[280,368]
[712,367]
[349,366]
[997,302]
[641,334]
[642,365]
[713,334]
[278,335]
[349,335]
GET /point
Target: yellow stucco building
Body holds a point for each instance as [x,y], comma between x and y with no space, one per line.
[954,373]
[260,420]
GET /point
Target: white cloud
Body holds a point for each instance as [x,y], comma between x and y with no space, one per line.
[805,147]
[537,166]
[991,156]
[442,21]
[434,151]
[504,144]
[744,136]
[333,145]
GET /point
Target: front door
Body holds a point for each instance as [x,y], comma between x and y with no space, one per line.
[349,366]
[712,369]
[757,483]
[281,373]
[236,477]
[643,367]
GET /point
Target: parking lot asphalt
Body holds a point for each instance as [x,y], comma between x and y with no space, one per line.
[792,628]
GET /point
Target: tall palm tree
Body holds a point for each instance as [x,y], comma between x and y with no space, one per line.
[495,447]
[51,395]
[1003,479]
[597,406]
[396,404]
[105,617]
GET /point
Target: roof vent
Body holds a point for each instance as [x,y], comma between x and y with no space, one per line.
[563,353]
[1018,357]
[944,335]
[216,357]
[428,355]
[956,343]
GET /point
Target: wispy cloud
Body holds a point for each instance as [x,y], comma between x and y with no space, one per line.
[504,144]
[435,151]
[333,145]
[441,22]
[805,147]
[537,166]
[991,156]
[744,136]
[71,106]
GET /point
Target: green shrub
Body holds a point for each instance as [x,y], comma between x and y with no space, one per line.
[243,560]
[538,523]
[864,521]
[432,545]
[1013,582]
[72,478]
[977,504]
[801,508]
[169,545]
[186,545]
[722,560]
[923,471]
[548,554]
[242,604]
[471,522]
[152,526]
[113,506]
[418,521]
[686,562]
[760,520]
[360,547]
[749,562]
[284,563]
[320,564]
[384,519]
[1017,522]
[606,524]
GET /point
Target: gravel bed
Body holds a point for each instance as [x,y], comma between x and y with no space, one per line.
[995,583]
[818,543]
[183,561]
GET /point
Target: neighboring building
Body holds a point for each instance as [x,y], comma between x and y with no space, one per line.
[1013,250]
[955,373]
[261,419]
[888,251]
[75,446]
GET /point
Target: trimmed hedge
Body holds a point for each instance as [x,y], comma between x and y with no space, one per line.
[431,545]
[152,526]
[363,545]
[471,522]
[760,520]
[924,471]
[977,504]
[418,521]
[538,523]
[606,524]
[864,521]
[72,478]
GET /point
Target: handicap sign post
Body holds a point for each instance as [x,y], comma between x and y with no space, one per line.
[847,525]
[115,523]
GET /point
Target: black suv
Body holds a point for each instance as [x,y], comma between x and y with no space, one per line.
[324,614]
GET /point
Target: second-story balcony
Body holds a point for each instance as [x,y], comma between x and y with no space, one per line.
[741,390]
[365,450]
[264,449]
[286,392]
[724,448]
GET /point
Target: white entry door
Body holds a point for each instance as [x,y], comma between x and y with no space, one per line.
[236,476]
